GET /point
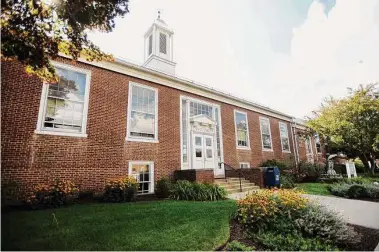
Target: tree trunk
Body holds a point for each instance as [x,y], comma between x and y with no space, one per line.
[365,162]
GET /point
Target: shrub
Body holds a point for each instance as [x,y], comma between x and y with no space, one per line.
[59,193]
[325,225]
[120,189]
[185,190]
[308,172]
[287,181]
[292,242]
[355,190]
[359,166]
[262,209]
[9,193]
[237,246]
[272,162]
[162,188]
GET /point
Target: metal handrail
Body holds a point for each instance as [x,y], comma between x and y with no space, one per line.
[240,173]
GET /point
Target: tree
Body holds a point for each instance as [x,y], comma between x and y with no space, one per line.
[33,31]
[352,123]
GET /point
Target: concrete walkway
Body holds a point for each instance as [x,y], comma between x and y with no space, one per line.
[358,212]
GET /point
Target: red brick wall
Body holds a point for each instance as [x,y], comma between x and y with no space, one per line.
[31,158]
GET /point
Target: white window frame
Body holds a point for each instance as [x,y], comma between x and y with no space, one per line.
[269,128]
[151,164]
[281,137]
[42,106]
[245,163]
[314,137]
[141,139]
[247,129]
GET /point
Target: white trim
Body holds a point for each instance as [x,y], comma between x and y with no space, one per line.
[288,137]
[247,130]
[152,174]
[59,133]
[141,72]
[141,139]
[314,138]
[269,128]
[41,112]
[242,163]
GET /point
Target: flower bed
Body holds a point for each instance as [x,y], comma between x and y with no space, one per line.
[285,220]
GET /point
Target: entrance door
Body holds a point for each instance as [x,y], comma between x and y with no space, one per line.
[203,151]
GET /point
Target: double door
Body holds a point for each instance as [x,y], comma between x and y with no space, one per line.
[203,151]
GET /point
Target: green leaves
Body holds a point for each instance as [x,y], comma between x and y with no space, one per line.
[35,31]
[351,122]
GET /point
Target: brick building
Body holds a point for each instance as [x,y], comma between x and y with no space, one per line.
[109,119]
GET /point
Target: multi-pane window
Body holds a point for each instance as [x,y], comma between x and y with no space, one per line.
[150,44]
[284,139]
[162,43]
[64,104]
[242,133]
[308,145]
[143,172]
[266,133]
[318,144]
[197,108]
[143,109]
[244,165]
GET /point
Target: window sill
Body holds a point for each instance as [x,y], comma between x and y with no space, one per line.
[141,140]
[286,151]
[59,133]
[268,150]
[243,148]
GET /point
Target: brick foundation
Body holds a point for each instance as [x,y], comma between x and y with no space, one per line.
[195,175]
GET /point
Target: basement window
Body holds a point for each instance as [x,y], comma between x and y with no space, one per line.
[244,165]
[143,172]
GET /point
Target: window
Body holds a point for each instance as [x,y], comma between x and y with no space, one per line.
[143,172]
[317,143]
[63,106]
[162,43]
[242,130]
[143,113]
[308,145]
[244,165]
[150,44]
[284,139]
[266,133]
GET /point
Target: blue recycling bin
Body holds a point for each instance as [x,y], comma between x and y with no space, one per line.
[272,177]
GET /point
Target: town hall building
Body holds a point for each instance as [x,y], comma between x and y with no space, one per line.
[110,119]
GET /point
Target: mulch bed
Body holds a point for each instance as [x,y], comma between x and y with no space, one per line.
[369,240]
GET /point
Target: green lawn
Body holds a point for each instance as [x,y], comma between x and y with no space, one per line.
[160,225]
[314,188]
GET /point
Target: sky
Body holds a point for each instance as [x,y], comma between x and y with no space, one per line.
[285,54]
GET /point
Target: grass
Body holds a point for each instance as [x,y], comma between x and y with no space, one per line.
[160,225]
[314,188]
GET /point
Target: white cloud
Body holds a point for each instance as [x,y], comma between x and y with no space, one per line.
[229,47]
[328,54]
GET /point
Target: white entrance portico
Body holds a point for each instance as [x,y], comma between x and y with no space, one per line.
[201,136]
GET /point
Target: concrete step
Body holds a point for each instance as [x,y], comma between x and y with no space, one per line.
[244,189]
[232,186]
[243,182]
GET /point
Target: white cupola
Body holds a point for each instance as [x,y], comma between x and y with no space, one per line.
[159,47]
